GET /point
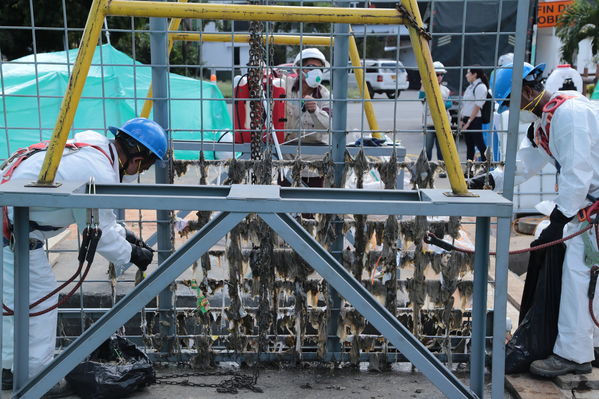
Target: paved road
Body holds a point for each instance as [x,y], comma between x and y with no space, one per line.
[404,116]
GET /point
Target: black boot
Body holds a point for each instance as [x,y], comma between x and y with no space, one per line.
[6,380]
[556,365]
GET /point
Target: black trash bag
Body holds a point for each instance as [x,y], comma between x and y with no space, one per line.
[539,311]
[115,370]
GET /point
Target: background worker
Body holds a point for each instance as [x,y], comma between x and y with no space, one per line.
[430,134]
[137,145]
[565,131]
[474,98]
[308,107]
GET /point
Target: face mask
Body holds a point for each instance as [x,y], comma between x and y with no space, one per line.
[527,117]
[313,77]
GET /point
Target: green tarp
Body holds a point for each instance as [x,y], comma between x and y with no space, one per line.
[113,82]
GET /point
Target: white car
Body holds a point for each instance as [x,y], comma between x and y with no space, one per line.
[382,76]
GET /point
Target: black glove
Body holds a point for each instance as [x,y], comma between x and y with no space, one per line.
[133,239]
[141,257]
[555,230]
[478,182]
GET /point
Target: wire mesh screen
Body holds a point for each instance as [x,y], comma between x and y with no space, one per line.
[243,108]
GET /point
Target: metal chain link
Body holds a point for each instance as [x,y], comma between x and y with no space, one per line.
[230,385]
[255,76]
[413,23]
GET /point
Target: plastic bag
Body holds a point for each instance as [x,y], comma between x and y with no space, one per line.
[539,310]
[115,370]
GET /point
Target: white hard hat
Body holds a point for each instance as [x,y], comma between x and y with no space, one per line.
[439,67]
[311,53]
[507,58]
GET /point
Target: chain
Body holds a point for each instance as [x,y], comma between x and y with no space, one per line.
[413,23]
[230,385]
[255,76]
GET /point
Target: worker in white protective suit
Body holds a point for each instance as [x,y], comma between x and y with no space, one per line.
[137,145]
[565,131]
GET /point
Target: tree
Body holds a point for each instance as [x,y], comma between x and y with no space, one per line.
[578,22]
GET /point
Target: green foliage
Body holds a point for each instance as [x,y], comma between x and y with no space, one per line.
[579,21]
[16,43]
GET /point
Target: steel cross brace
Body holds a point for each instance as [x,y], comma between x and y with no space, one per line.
[126,308]
[386,323]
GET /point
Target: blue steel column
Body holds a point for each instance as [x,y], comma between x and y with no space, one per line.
[21,289]
[514,120]
[479,305]
[338,129]
[499,306]
[504,224]
[158,47]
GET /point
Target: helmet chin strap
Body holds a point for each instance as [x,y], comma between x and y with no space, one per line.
[122,169]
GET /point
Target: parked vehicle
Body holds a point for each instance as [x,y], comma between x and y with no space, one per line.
[382,76]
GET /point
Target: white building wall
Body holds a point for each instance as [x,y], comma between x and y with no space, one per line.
[548,51]
[219,56]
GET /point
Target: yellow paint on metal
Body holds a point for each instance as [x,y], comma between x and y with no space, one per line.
[243,12]
[91,34]
[244,38]
[354,56]
[435,103]
[173,25]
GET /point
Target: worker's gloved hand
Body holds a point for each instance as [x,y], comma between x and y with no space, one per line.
[133,239]
[555,230]
[478,182]
[141,257]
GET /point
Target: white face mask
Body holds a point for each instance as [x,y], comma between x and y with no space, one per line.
[313,77]
[527,117]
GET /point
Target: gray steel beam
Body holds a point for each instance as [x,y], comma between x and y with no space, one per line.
[127,307]
[21,299]
[499,307]
[159,56]
[383,151]
[387,324]
[514,120]
[210,198]
[338,131]
[479,305]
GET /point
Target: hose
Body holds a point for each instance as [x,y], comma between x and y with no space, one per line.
[431,238]
[87,251]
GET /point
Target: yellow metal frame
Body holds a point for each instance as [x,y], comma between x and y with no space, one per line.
[102,8]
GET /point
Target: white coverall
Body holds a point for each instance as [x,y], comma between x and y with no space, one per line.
[574,143]
[76,166]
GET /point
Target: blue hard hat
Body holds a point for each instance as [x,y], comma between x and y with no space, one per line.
[147,132]
[501,81]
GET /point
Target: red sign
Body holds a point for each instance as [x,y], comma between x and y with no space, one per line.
[549,11]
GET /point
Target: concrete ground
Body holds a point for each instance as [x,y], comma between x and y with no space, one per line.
[309,383]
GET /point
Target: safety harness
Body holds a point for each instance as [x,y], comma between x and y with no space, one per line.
[91,234]
[11,164]
[542,132]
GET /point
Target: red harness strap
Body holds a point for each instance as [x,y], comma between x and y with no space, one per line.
[21,155]
[542,134]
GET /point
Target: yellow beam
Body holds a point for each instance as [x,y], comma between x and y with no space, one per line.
[242,12]
[91,34]
[435,102]
[173,25]
[354,56]
[243,38]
